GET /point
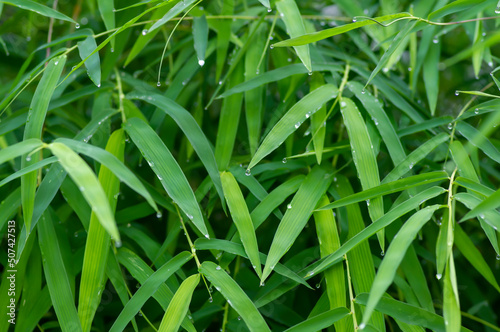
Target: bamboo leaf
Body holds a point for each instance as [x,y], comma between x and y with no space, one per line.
[321,321]
[113,163]
[148,288]
[234,296]
[403,208]
[242,219]
[394,256]
[38,8]
[200,37]
[89,186]
[323,34]
[178,307]
[92,63]
[107,10]
[292,120]
[33,129]
[56,276]
[297,215]
[167,170]
[290,14]
[364,157]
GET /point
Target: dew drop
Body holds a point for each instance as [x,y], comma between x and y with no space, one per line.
[158,83]
[99,85]
[318,285]
[269,10]
[118,244]
[262,284]
[498,257]
[28,158]
[207,236]
[476,111]
[354,20]
[248,172]
[284,161]
[297,125]
[385,70]
[220,82]
[439,276]
[77,26]
[218,268]
[497,10]
[382,253]
[362,326]
[211,299]
[189,216]
[310,73]
[457,93]
[159,214]
[409,68]
[257,72]
[450,126]
[201,62]
[144,32]
[271,47]
[343,104]
[129,225]
[411,165]
[289,206]
[435,40]
[367,202]
[363,91]
[289,59]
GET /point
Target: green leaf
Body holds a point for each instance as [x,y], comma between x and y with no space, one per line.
[167,170]
[381,120]
[56,276]
[92,63]
[148,288]
[408,313]
[200,37]
[178,307]
[89,186]
[415,157]
[179,7]
[292,120]
[114,164]
[107,10]
[276,75]
[389,188]
[241,217]
[97,246]
[394,256]
[403,208]
[234,296]
[323,34]
[38,8]
[237,249]
[364,157]
[300,210]
[18,149]
[321,321]
[475,137]
[431,75]
[33,129]
[290,14]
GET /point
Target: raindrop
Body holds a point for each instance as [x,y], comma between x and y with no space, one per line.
[239,318]
[257,72]
[297,125]
[354,20]
[201,62]
[269,10]
[207,236]
[435,40]
[99,85]
[476,111]
[498,257]
[310,73]
[318,285]
[81,188]
[211,299]
[118,244]
[220,82]
[28,158]
[457,93]
[367,202]
[411,165]
[343,104]
[385,70]
[362,326]
[262,284]
[409,68]
[158,83]
[289,206]
[28,38]
[284,161]
[76,234]
[363,91]
[308,114]
[159,214]
[450,126]
[497,10]
[189,216]
[248,172]
[271,47]
[77,26]
[218,268]
[112,50]
[439,276]
[129,225]
[144,32]
[382,253]
[289,59]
